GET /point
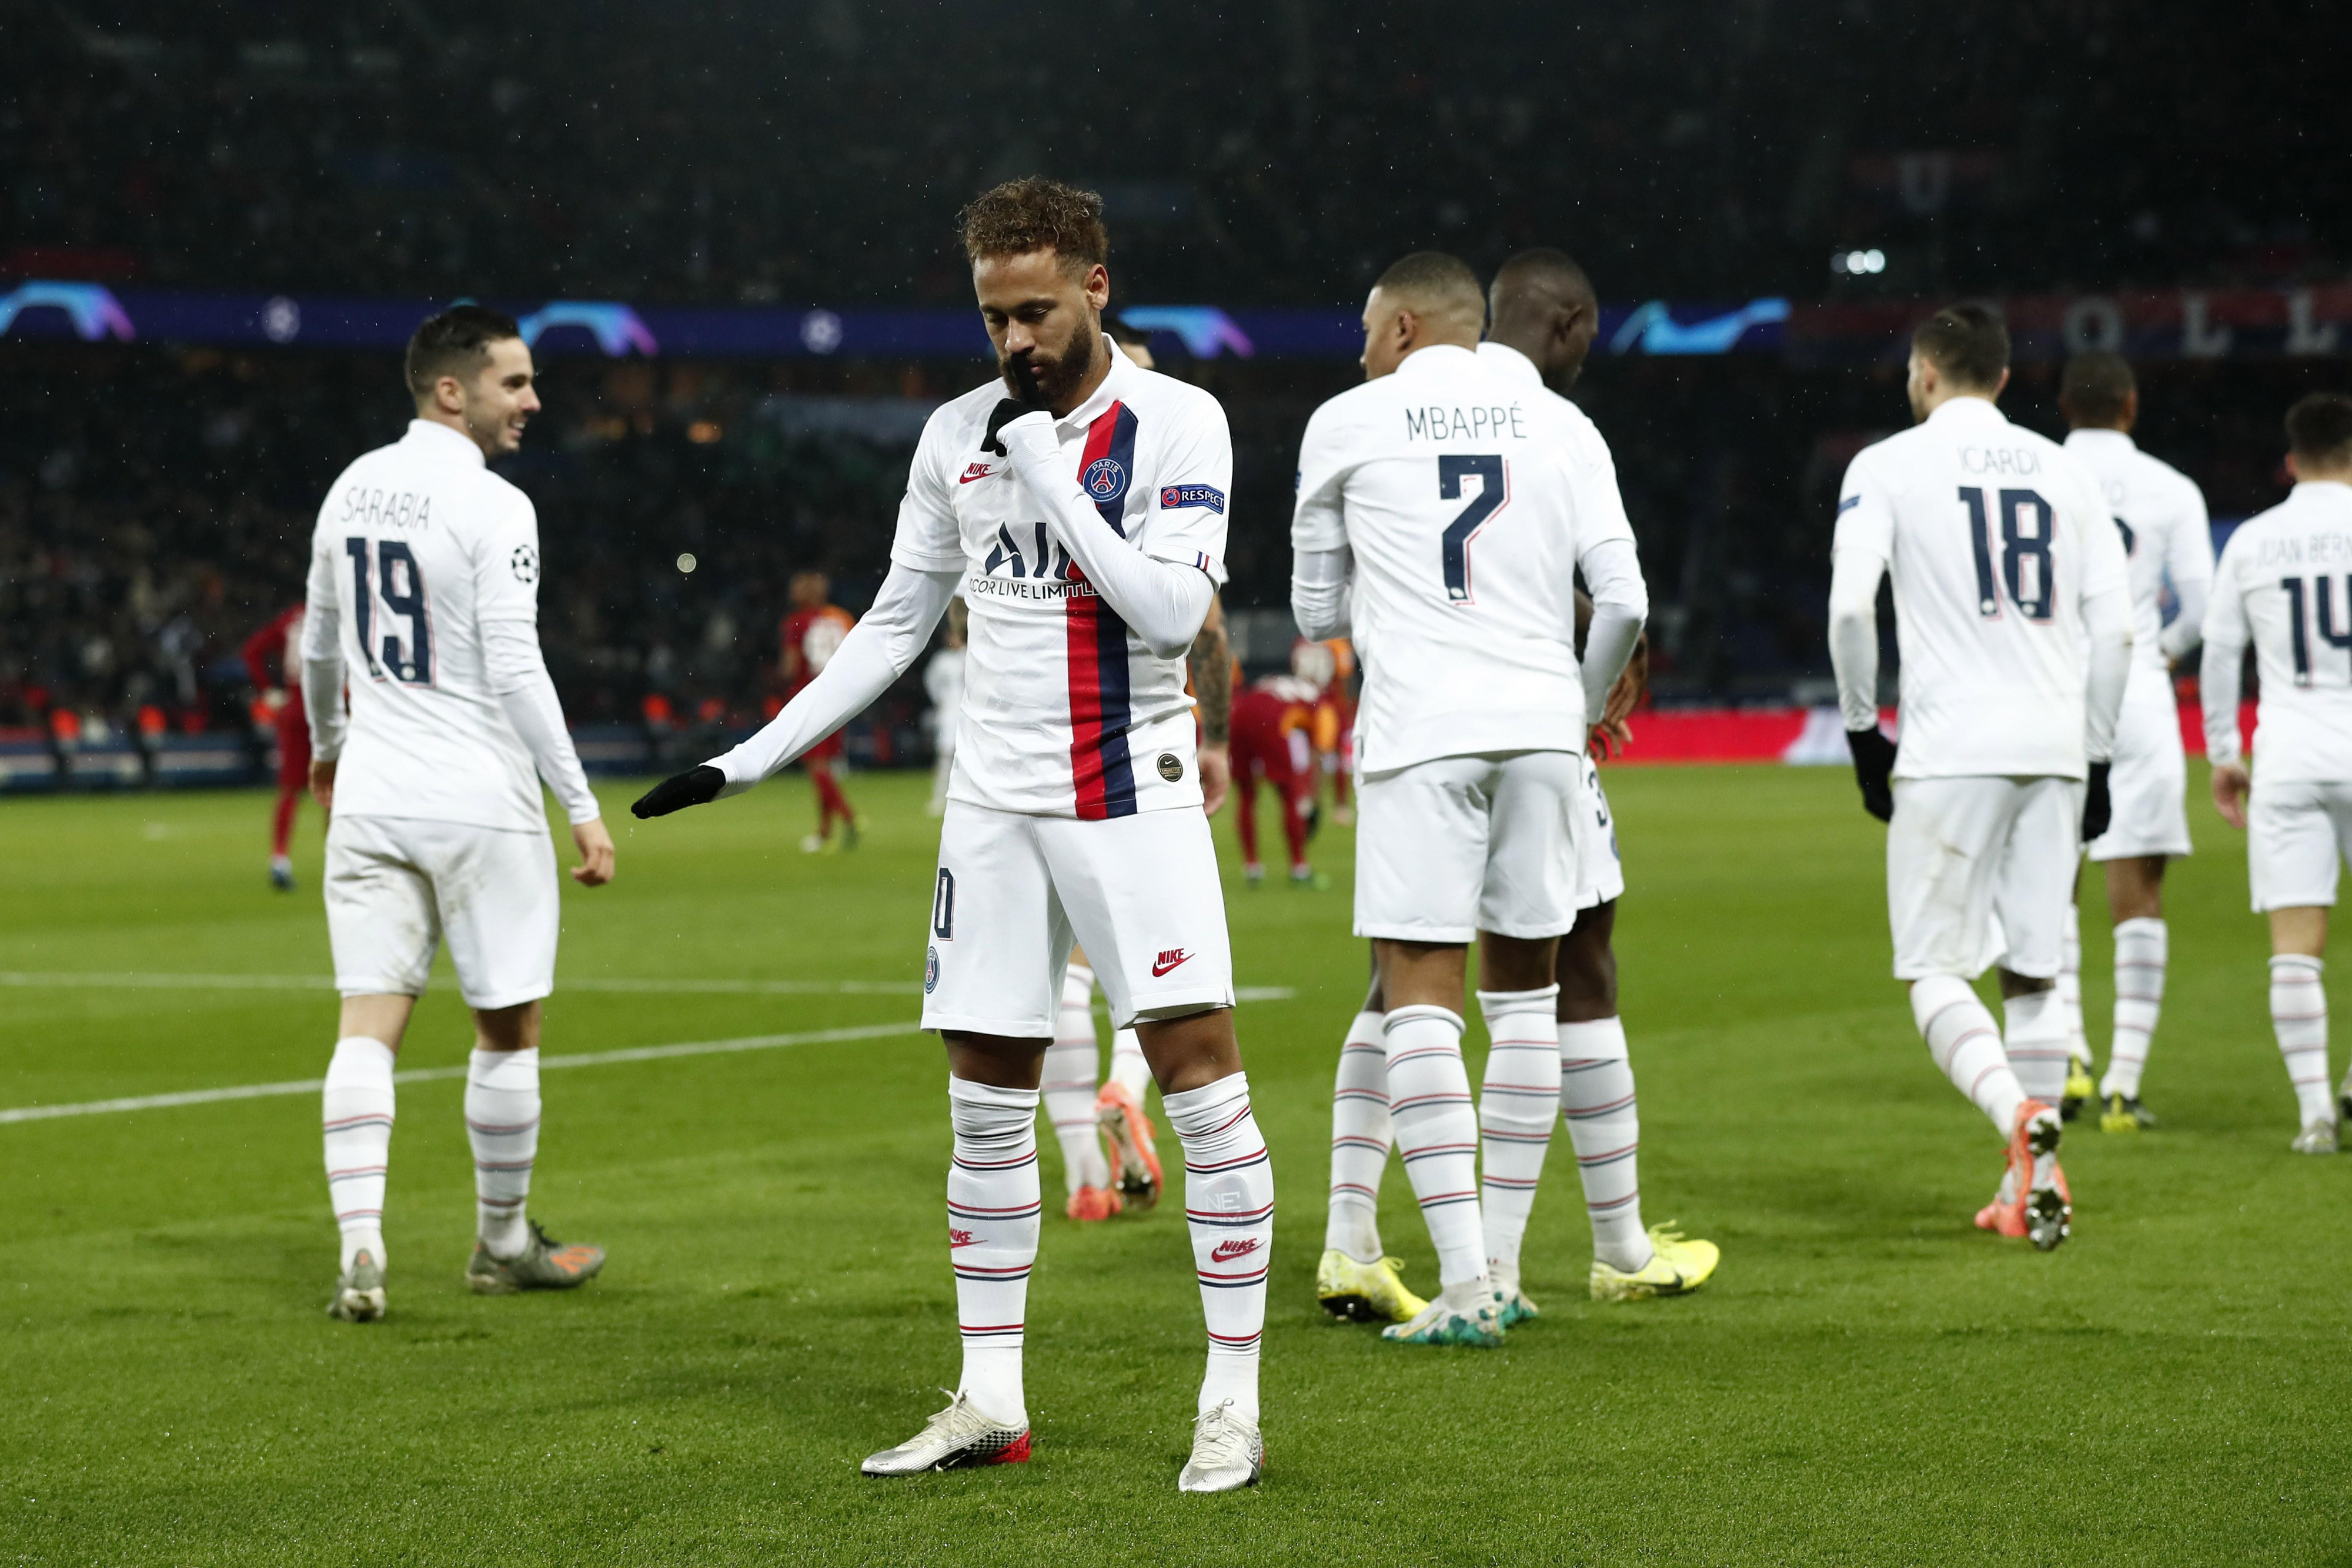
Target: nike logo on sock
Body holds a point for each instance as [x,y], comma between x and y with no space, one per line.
[1228,1250]
[960,1238]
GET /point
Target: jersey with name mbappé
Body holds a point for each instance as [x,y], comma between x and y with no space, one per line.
[1994,537]
[1065,713]
[1453,486]
[2159,513]
[2285,584]
[417,547]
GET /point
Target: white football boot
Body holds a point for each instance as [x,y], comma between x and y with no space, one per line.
[1228,1454]
[958,1437]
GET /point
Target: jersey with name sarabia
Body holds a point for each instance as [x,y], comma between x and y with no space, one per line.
[2159,513]
[1994,537]
[1065,713]
[1467,496]
[418,545]
[2284,585]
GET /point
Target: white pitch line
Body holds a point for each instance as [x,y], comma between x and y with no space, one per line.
[428,1074]
[154,982]
[136,980]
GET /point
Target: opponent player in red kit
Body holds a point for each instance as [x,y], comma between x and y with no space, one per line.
[811,633]
[1271,724]
[273,658]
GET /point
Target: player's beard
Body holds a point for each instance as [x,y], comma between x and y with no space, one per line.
[1048,384]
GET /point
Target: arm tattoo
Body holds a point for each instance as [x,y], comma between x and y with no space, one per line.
[1211,661]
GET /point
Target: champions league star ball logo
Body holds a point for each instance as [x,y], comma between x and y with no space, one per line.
[1104,479]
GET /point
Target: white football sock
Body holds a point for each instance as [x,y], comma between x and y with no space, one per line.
[1961,1036]
[1604,1125]
[2033,1038]
[992,1206]
[2069,991]
[1229,1207]
[2299,1018]
[356,1109]
[2141,947]
[1360,1137]
[502,1125]
[1128,1067]
[1069,1087]
[1437,1133]
[1517,1104]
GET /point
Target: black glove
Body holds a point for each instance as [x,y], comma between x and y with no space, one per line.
[698,787]
[1874,759]
[2098,808]
[1007,411]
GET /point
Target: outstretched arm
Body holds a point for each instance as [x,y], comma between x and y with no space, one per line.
[877,651]
[1164,603]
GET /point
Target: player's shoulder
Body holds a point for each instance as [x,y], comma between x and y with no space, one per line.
[2165,476]
[1170,397]
[965,416]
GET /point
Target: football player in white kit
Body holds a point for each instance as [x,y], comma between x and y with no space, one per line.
[2284,585]
[2012,612]
[1444,498]
[424,605]
[1542,317]
[2160,515]
[1084,515]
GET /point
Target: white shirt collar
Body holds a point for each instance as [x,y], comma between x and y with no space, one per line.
[1510,362]
[2096,438]
[1435,356]
[444,441]
[1966,405]
[1116,385]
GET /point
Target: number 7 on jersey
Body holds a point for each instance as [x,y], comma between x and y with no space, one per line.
[1494,490]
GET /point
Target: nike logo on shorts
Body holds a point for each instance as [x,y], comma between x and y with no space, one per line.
[1168,961]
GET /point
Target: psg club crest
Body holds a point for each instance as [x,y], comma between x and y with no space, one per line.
[1104,479]
[932,970]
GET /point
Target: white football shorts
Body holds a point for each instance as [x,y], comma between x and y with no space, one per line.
[1014,891]
[1964,851]
[398,885]
[1600,874]
[2295,835]
[1448,848]
[2150,782]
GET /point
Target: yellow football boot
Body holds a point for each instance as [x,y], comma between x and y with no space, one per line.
[1365,1293]
[1676,1267]
[2079,1090]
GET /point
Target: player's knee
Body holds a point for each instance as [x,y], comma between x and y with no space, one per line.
[508,1029]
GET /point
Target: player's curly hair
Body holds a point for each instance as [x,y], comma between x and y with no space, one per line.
[1036,214]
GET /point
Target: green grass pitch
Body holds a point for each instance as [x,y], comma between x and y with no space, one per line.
[1869,1380]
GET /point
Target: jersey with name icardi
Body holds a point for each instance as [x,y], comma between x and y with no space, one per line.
[2285,584]
[1994,537]
[2159,513]
[1065,713]
[1466,497]
[418,546]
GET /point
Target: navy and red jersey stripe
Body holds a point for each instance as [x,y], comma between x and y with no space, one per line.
[1101,772]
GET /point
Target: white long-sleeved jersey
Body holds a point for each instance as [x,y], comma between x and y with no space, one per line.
[2285,584]
[1468,497]
[1066,710]
[2011,597]
[424,605]
[2160,513]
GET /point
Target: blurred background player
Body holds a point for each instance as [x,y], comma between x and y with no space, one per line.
[1274,722]
[1330,665]
[2012,612]
[1477,712]
[2284,585]
[811,634]
[943,685]
[273,659]
[1074,807]
[2160,514]
[424,605]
